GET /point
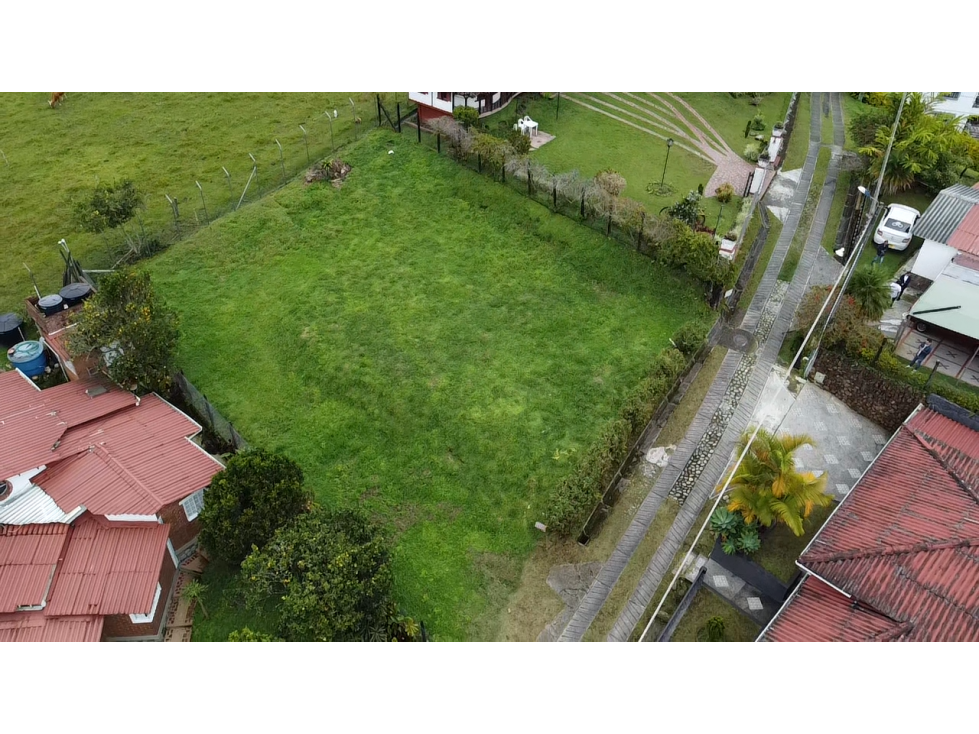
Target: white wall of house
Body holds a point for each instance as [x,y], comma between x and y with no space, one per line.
[431,99]
[932,259]
[966,104]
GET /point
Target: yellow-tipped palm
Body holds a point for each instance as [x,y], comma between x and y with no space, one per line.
[766,486]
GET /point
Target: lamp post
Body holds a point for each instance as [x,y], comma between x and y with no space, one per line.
[669,144]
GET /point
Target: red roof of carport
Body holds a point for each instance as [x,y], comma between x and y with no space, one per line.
[109,568]
[965,238]
[28,556]
[37,627]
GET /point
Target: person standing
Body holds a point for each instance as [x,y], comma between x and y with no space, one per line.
[895,292]
[921,355]
[881,251]
[903,282]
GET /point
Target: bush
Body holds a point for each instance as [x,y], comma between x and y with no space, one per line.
[758,122]
[724,193]
[574,499]
[466,116]
[870,288]
[329,573]
[752,150]
[519,142]
[687,210]
[736,535]
[256,494]
[849,330]
[247,635]
[712,631]
[690,337]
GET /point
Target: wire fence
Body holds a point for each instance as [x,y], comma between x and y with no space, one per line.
[170,213]
[193,401]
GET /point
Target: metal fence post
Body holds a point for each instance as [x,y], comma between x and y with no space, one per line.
[397,109]
[378,110]
[418,124]
[438,143]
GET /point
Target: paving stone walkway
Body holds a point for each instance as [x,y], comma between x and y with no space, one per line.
[769,316]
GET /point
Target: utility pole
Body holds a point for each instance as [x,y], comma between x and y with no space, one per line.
[855,255]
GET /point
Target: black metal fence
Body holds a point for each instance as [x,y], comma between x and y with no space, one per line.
[189,397]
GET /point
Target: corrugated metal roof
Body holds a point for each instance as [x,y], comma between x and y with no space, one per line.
[135,461]
[946,212]
[905,541]
[32,422]
[30,506]
[951,289]
[28,557]
[38,627]
[965,238]
[109,568]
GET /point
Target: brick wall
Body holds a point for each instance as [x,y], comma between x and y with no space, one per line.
[182,531]
[120,626]
[871,394]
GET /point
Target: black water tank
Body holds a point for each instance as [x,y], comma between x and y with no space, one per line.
[75,293]
[10,331]
[50,305]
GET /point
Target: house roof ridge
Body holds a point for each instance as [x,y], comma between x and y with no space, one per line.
[918,435]
[880,552]
[117,466]
[893,633]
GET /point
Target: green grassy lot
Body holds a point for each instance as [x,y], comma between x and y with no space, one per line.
[729,115]
[851,107]
[164,143]
[737,626]
[430,346]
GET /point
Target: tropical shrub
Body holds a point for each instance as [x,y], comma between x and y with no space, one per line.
[724,193]
[690,337]
[752,151]
[870,288]
[712,631]
[466,116]
[758,122]
[687,209]
[518,141]
[247,635]
[736,534]
[849,331]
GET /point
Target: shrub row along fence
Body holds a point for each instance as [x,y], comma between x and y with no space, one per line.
[168,215]
[220,434]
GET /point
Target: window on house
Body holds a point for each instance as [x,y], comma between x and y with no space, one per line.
[975,102]
[444,96]
[193,505]
[145,618]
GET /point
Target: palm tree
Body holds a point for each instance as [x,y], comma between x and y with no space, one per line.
[766,487]
[195,591]
[870,288]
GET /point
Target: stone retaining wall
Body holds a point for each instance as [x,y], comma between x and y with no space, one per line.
[873,395]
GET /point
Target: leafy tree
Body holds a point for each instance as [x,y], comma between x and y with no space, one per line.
[331,571]
[687,210]
[850,329]
[870,288]
[466,116]
[256,494]
[928,149]
[109,206]
[247,635]
[135,330]
[766,487]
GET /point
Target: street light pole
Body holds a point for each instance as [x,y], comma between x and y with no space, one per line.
[855,255]
[669,144]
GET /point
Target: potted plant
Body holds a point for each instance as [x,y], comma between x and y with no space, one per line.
[778,129]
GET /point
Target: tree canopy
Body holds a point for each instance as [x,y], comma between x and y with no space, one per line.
[136,331]
[256,494]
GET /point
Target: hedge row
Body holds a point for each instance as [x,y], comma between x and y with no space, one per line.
[574,499]
[897,369]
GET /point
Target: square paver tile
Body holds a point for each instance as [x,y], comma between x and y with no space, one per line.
[830,459]
[754,604]
[832,409]
[867,455]
[820,426]
[842,488]
[720,581]
[855,473]
[843,440]
[879,439]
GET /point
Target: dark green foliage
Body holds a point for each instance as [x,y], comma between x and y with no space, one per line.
[519,142]
[138,331]
[690,337]
[467,116]
[256,494]
[849,330]
[247,635]
[331,573]
[109,206]
[697,253]
[688,209]
[870,288]
[576,497]
[737,536]
[712,631]
[758,122]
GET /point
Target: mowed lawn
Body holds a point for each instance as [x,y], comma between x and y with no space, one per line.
[431,347]
[165,143]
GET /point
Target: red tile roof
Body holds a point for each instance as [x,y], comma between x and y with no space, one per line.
[821,613]
[965,238]
[134,461]
[109,568]
[38,627]
[28,557]
[904,543]
[31,422]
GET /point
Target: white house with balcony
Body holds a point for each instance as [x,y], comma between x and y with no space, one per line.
[960,104]
[432,105]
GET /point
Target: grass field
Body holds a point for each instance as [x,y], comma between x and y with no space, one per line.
[737,626]
[729,115]
[164,143]
[429,346]
[795,156]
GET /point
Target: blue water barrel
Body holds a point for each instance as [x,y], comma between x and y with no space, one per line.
[10,330]
[50,305]
[28,357]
